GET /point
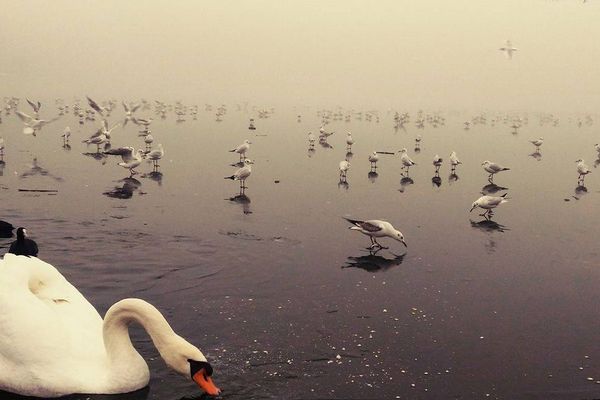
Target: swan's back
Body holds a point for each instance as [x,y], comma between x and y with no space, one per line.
[49,332]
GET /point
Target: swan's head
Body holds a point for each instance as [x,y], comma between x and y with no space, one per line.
[188,360]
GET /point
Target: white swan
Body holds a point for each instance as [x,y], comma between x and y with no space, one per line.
[53,342]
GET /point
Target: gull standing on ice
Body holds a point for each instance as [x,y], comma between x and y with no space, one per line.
[375,228]
[454,161]
[134,161]
[344,166]
[242,149]
[493,168]
[537,143]
[406,161]
[243,173]
[488,203]
[311,139]
[373,158]
[349,141]
[583,170]
[437,162]
[155,155]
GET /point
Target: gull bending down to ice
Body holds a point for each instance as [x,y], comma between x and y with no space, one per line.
[376,228]
[488,203]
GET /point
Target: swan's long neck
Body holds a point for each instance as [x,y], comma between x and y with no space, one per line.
[118,344]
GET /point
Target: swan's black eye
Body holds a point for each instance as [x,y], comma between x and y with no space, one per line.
[196,366]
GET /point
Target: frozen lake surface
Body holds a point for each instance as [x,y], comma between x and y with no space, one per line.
[285,300]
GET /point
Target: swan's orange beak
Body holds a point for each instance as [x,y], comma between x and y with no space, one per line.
[206,383]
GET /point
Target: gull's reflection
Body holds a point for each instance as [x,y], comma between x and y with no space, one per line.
[156,176]
[487,225]
[373,262]
[66,146]
[491,189]
[243,200]
[436,180]
[405,182]
[453,177]
[311,151]
[349,156]
[373,175]
[324,144]
[596,162]
[537,155]
[343,183]
[580,190]
[97,156]
[36,169]
[126,190]
[2,165]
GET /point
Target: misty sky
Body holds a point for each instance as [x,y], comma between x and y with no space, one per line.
[396,53]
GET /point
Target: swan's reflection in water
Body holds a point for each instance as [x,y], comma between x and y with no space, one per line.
[242,199]
[126,190]
[373,262]
[141,394]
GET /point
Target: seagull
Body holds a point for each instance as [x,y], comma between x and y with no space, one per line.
[311,139]
[148,139]
[156,155]
[129,110]
[66,134]
[582,169]
[349,140]
[508,49]
[373,158]
[406,161]
[437,162]
[36,107]
[243,173]
[493,168]
[324,135]
[344,166]
[537,142]
[97,140]
[488,203]
[32,125]
[133,161]
[375,228]
[242,149]
[95,106]
[454,161]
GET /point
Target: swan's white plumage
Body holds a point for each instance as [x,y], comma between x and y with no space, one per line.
[52,340]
